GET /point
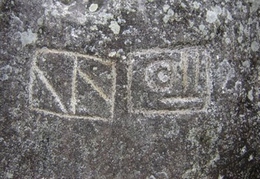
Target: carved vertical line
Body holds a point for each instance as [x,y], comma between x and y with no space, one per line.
[184,69]
[129,84]
[32,79]
[172,74]
[74,86]
[197,69]
[208,79]
[112,101]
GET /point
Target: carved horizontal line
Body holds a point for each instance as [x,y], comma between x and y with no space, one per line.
[94,118]
[164,50]
[181,100]
[75,54]
[166,112]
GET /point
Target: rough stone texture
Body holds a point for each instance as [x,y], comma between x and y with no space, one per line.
[129,89]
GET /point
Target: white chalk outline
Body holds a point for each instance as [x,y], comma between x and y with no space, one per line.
[205,98]
[35,71]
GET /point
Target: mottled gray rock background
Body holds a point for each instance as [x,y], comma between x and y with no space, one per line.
[222,141]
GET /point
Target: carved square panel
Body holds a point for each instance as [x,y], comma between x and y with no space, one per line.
[168,81]
[72,85]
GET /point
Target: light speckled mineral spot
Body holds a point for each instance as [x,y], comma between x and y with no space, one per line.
[114,27]
[93,7]
[28,37]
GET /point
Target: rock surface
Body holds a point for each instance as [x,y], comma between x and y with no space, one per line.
[129,89]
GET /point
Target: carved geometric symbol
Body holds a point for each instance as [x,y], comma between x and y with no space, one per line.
[72,85]
[169,81]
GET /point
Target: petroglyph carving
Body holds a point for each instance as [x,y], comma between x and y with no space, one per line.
[158,76]
[72,85]
[169,81]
